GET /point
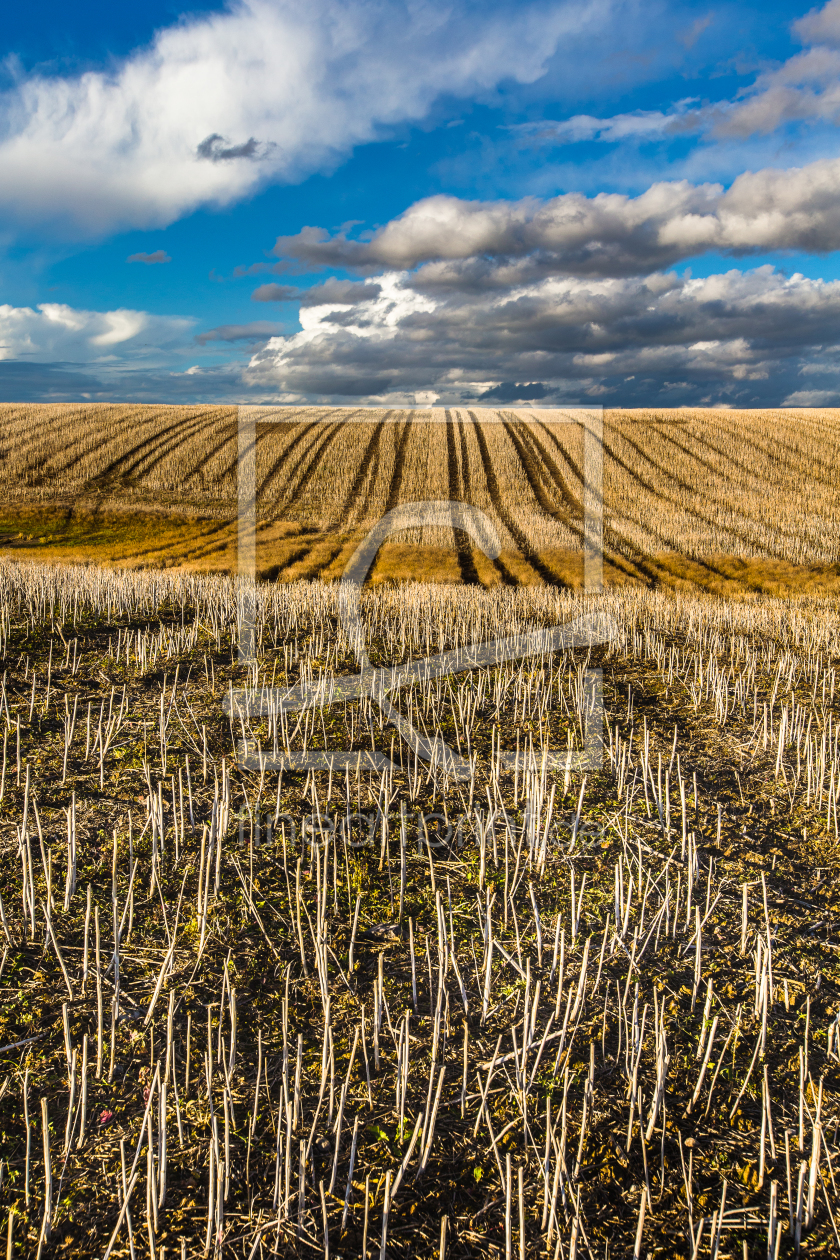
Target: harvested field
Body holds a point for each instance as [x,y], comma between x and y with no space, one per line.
[718,500]
[255,1010]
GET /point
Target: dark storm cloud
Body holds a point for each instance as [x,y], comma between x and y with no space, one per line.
[159,256]
[275,293]
[260,329]
[343,292]
[216,149]
[748,338]
[47,382]
[509,392]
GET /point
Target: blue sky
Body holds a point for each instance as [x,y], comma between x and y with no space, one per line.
[410,202]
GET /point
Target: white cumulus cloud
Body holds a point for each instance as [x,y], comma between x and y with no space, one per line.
[223,103]
[53,332]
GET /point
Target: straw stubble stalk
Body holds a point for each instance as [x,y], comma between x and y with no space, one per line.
[386,1208]
[46,1222]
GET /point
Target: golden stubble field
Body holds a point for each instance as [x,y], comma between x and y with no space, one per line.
[711,499]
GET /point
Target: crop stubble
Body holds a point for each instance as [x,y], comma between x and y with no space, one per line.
[721,773]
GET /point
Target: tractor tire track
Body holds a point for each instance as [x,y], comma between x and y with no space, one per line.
[310,565]
[792,460]
[808,467]
[538,453]
[399,467]
[374,456]
[307,466]
[195,547]
[70,441]
[692,508]
[369,464]
[630,561]
[134,453]
[212,453]
[510,524]
[503,574]
[307,429]
[73,444]
[537,434]
[180,434]
[534,477]
[457,494]
[300,451]
[535,459]
[277,467]
[631,550]
[145,455]
[568,459]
